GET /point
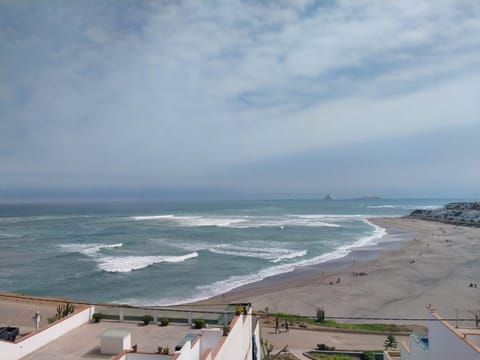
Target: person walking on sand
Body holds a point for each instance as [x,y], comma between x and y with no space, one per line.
[277,326]
[36,320]
[286,326]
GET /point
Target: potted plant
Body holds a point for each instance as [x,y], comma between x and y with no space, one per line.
[164,321]
[146,319]
[238,309]
[96,317]
[166,350]
[226,330]
[199,323]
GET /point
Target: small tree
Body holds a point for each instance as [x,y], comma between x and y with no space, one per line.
[390,342]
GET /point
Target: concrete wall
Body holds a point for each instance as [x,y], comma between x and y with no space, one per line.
[238,344]
[23,347]
[446,344]
[189,351]
[405,352]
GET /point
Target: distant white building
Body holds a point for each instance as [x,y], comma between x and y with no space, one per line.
[443,342]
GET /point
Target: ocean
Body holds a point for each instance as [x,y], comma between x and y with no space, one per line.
[174,252]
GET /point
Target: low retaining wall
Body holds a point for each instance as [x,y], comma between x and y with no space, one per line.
[26,345]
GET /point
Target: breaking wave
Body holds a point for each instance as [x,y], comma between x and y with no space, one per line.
[245,221]
[130,263]
[273,255]
[121,263]
[89,249]
[405,207]
[236,281]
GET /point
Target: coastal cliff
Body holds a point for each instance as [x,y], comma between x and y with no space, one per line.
[466,213]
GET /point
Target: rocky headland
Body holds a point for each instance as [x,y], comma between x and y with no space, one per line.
[465,213]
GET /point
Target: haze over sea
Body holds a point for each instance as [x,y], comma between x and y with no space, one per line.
[173,252]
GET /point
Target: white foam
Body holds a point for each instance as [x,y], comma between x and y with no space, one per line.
[88,249]
[130,263]
[233,282]
[273,255]
[153,217]
[244,221]
[405,207]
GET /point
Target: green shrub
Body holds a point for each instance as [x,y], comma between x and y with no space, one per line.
[325,347]
[368,355]
[146,319]
[199,323]
[226,330]
[164,321]
[96,317]
[62,311]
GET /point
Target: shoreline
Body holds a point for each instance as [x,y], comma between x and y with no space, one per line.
[415,264]
[435,267]
[392,239]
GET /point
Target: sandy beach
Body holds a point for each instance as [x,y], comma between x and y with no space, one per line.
[435,265]
[418,263]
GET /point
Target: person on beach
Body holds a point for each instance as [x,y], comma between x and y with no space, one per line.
[277,326]
[286,326]
[36,320]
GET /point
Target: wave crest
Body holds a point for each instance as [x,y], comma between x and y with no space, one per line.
[130,263]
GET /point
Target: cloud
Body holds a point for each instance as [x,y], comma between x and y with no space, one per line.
[145,93]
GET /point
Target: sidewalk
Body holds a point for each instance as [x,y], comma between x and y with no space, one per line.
[300,341]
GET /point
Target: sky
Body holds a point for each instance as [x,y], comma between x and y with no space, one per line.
[239,99]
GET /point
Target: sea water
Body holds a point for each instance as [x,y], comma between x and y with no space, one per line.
[174,252]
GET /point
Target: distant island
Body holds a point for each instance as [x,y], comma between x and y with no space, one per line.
[328,197]
[463,213]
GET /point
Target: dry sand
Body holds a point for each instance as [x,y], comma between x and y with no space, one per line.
[435,267]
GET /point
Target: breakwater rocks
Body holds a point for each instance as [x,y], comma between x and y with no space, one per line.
[466,213]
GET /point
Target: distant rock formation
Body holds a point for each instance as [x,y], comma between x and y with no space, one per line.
[328,197]
[467,213]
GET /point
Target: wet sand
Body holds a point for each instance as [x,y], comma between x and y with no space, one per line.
[418,263]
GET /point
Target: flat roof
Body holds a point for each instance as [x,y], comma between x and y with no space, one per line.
[84,341]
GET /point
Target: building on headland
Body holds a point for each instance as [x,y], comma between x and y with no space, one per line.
[236,335]
[443,342]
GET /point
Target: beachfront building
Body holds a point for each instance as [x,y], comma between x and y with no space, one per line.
[230,335]
[443,342]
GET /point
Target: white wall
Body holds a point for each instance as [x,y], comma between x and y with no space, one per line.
[405,354]
[188,352]
[238,344]
[17,350]
[446,345]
